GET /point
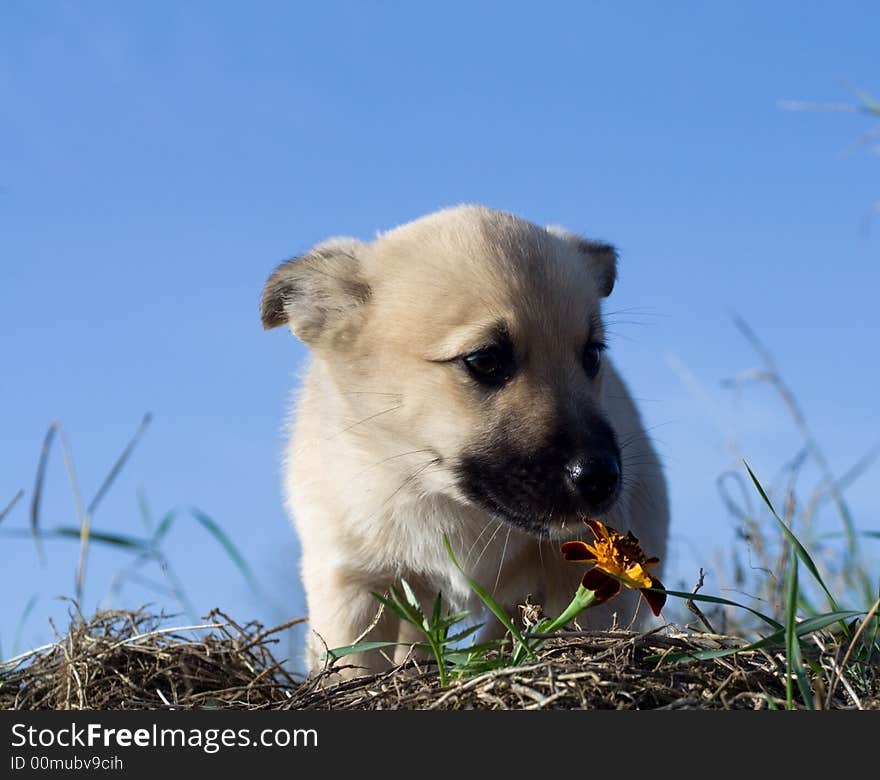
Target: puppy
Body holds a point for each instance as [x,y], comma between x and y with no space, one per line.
[458,384]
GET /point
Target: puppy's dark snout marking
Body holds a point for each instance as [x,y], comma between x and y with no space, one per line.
[593,477]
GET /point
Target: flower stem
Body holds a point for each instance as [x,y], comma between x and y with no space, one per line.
[583,598]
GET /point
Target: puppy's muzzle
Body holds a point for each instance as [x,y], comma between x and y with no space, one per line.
[567,475]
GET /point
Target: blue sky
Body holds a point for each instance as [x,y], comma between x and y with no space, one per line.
[158,159]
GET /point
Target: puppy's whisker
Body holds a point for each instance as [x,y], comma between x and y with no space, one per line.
[364,420]
[628,441]
[639,493]
[633,397]
[646,311]
[501,562]
[615,322]
[550,516]
[636,448]
[486,546]
[477,540]
[643,433]
[413,476]
[541,540]
[646,460]
[394,457]
[370,392]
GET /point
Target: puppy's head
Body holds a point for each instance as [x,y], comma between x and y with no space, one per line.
[482,336]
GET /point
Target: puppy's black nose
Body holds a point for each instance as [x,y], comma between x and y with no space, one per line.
[593,477]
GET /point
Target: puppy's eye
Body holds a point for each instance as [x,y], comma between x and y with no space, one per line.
[592,359]
[490,366]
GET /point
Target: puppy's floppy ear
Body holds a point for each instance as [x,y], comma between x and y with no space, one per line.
[601,257]
[316,293]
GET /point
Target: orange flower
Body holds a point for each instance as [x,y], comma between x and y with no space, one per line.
[619,560]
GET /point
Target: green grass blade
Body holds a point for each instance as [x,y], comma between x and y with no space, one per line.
[11,505]
[360,647]
[211,526]
[872,640]
[436,615]
[804,628]
[476,654]
[795,542]
[476,650]
[415,605]
[145,513]
[174,583]
[36,498]
[793,663]
[22,621]
[119,464]
[869,103]
[391,606]
[465,633]
[164,526]
[413,613]
[104,537]
[819,622]
[872,637]
[451,620]
[718,600]
[494,607]
[843,535]
[410,604]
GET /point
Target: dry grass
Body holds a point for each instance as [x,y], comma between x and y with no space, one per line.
[125,660]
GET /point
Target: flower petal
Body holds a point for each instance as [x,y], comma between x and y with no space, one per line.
[594,525]
[577,551]
[635,576]
[601,584]
[655,600]
[600,530]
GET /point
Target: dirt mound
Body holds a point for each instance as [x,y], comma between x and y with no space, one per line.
[127,660]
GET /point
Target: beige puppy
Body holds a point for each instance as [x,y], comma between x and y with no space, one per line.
[457,385]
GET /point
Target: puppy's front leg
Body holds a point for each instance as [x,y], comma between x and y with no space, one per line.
[339,612]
